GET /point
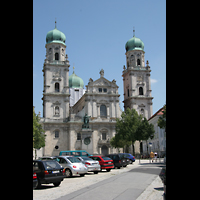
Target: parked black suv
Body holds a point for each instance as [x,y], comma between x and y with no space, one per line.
[127,160]
[118,160]
[48,171]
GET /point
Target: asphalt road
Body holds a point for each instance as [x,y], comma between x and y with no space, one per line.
[124,186]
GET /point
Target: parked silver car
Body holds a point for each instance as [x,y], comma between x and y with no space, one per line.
[93,165]
[72,165]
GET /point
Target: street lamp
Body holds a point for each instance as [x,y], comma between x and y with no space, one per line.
[150,145]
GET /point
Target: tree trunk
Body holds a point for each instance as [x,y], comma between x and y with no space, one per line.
[133,148]
[35,154]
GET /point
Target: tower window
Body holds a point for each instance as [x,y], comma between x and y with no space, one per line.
[56,56]
[138,61]
[56,134]
[78,136]
[103,111]
[57,87]
[142,112]
[128,92]
[56,110]
[140,91]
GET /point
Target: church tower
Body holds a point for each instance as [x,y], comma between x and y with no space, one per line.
[136,79]
[56,78]
[56,95]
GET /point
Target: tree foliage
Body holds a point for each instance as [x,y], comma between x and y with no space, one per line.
[38,136]
[131,127]
[162,119]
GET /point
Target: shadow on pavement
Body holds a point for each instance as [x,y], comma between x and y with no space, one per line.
[44,187]
[159,188]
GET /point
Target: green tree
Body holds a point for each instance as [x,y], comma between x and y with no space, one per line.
[145,131]
[38,136]
[132,127]
[127,126]
[162,119]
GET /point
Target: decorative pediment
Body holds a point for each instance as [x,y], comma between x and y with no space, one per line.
[101,82]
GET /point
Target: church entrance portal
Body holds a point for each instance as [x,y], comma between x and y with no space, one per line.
[104,150]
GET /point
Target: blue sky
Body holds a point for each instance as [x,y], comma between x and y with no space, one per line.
[96,33]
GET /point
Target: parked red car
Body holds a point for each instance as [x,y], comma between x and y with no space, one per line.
[105,162]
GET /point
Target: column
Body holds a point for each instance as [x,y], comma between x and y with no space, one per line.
[108,112]
[94,108]
[98,111]
[113,109]
[99,150]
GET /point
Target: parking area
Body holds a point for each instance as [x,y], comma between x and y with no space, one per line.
[75,183]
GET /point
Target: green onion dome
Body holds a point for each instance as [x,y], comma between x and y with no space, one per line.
[134,44]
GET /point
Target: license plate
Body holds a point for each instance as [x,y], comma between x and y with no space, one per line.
[109,162]
[56,171]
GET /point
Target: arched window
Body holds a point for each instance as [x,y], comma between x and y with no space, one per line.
[140,91]
[56,56]
[103,111]
[56,110]
[57,87]
[142,112]
[103,136]
[138,61]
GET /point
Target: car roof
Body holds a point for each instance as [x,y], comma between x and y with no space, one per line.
[43,160]
[65,156]
[96,156]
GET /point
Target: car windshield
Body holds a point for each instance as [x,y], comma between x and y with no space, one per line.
[73,160]
[106,158]
[86,158]
[52,165]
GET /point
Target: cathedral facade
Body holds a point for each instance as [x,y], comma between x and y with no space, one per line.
[66,102]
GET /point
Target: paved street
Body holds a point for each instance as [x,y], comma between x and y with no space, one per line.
[137,180]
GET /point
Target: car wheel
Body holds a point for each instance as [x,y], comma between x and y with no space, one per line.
[56,184]
[82,174]
[38,184]
[108,170]
[68,173]
[131,162]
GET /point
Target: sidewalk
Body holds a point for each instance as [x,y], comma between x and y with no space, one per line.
[155,190]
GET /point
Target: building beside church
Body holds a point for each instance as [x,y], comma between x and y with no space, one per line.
[159,140]
[65,101]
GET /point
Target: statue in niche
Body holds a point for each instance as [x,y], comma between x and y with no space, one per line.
[86,121]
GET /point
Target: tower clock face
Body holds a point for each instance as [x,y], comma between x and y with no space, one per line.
[87,141]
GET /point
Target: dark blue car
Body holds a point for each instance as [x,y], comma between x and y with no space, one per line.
[130,156]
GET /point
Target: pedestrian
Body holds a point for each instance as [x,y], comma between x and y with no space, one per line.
[152,156]
[155,156]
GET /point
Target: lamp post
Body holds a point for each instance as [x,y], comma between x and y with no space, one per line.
[150,145]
